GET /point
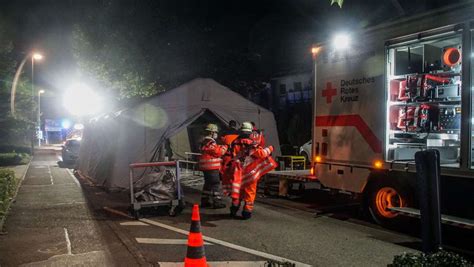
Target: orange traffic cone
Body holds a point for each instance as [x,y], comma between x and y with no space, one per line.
[195,256]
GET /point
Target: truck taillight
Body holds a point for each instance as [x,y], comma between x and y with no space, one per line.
[311,171]
[378,164]
[317,159]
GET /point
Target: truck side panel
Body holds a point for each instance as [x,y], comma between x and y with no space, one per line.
[349,121]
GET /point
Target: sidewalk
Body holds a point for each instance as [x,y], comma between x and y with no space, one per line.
[52,224]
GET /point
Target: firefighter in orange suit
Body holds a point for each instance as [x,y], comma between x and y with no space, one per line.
[229,135]
[250,162]
[210,164]
[227,138]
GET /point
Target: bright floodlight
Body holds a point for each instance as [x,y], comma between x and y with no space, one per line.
[341,41]
[37,56]
[41,91]
[81,100]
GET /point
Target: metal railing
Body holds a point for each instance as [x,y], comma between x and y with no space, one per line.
[189,156]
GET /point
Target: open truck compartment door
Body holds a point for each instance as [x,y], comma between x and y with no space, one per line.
[397,89]
[424,82]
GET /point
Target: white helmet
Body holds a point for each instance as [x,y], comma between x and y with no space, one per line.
[212,128]
[246,127]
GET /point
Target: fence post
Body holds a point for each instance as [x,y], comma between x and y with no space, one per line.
[428,174]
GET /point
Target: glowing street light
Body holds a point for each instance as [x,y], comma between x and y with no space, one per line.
[315,50]
[37,56]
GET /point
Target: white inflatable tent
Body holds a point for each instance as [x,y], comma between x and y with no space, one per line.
[111,142]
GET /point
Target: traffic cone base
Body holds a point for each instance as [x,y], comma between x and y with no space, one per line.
[195,262]
[195,255]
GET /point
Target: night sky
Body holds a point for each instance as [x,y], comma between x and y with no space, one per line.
[194,37]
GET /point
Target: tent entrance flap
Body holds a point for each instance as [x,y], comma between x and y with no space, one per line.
[190,137]
[195,129]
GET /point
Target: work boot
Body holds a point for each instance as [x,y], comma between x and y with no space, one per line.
[233,211]
[246,215]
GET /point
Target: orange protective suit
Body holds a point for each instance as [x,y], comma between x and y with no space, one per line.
[210,158]
[242,173]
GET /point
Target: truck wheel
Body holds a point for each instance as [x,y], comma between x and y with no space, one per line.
[383,195]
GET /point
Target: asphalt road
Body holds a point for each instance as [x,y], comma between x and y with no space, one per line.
[56,222]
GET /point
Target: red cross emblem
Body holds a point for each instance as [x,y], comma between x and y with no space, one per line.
[329,92]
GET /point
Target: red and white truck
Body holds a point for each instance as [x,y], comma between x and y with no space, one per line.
[385,93]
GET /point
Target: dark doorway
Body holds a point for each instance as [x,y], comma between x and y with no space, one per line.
[196,129]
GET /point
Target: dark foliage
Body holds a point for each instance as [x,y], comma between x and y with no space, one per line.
[439,259]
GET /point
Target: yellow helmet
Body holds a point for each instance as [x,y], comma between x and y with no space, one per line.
[212,128]
[246,127]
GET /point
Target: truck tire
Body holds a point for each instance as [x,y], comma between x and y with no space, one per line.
[383,194]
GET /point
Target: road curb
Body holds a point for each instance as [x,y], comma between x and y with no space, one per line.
[129,244]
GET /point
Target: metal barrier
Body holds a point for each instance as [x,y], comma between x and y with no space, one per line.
[188,160]
[174,204]
[293,160]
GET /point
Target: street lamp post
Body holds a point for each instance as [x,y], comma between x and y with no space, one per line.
[36,56]
[38,119]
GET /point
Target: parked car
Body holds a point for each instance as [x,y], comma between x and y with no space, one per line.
[70,151]
[305,150]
